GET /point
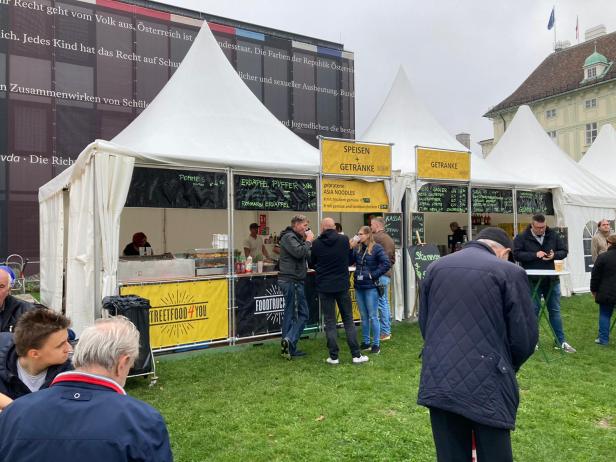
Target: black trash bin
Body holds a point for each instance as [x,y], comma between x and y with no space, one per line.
[137,310]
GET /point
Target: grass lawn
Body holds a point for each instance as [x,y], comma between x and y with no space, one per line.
[247,403]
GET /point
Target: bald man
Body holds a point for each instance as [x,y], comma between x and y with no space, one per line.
[330,258]
[11,308]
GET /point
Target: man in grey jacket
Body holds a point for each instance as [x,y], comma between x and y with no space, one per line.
[295,245]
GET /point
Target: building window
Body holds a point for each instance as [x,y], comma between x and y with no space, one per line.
[591,132]
[590,103]
[550,113]
[591,72]
[552,134]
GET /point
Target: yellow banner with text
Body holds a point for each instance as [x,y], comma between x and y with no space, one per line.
[185,312]
[356,159]
[443,165]
[353,196]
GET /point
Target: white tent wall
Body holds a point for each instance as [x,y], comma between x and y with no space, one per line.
[601,154]
[52,218]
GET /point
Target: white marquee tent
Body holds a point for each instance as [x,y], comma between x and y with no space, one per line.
[526,150]
[204,117]
[405,121]
[602,155]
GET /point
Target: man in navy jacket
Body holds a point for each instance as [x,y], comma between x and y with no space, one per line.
[478,323]
[86,415]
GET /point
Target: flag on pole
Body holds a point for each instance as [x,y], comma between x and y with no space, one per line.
[577,28]
[551,20]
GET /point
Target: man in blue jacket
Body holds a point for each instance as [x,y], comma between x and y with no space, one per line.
[478,323]
[86,415]
[536,249]
[330,257]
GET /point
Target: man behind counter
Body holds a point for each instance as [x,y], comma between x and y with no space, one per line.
[253,245]
[132,248]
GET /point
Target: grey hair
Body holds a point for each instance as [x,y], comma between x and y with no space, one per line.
[299,218]
[491,243]
[379,220]
[103,343]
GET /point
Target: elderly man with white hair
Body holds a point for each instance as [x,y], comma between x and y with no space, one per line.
[86,415]
[11,308]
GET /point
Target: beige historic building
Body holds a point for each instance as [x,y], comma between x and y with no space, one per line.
[572,93]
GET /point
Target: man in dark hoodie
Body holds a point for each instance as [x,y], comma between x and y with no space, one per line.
[295,243]
[330,258]
[11,308]
[32,357]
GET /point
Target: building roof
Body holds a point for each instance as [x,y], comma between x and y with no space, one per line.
[561,72]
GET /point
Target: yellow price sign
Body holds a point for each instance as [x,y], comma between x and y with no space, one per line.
[355,159]
[353,196]
[443,165]
[185,312]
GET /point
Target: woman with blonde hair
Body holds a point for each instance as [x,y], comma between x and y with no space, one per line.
[371,262]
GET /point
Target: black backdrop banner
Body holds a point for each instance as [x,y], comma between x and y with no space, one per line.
[259,305]
[185,189]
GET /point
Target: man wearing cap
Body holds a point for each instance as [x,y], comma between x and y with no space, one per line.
[603,288]
[536,249]
[11,308]
[479,326]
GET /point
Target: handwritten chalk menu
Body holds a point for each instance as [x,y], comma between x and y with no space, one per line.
[491,200]
[531,202]
[421,257]
[179,189]
[442,198]
[273,193]
[417,225]
[393,227]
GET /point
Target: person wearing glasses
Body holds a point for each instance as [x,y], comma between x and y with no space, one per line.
[371,262]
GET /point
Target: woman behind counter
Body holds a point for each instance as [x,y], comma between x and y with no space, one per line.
[371,262]
[132,248]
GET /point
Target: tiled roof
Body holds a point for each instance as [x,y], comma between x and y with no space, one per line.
[560,72]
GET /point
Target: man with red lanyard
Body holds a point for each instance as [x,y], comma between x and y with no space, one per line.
[99,422]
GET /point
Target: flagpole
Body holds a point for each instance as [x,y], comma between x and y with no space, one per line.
[554,9]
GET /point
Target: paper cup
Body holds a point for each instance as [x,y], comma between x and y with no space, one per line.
[559,265]
[259,266]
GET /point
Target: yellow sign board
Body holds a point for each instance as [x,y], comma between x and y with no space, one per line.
[353,196]
[443,165]
[355,159]
[185,312]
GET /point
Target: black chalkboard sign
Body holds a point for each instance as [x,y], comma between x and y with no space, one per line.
[417,225]
[393,227]
[442,198]
[177,189]
[531,202]
[273,193]
[421,257]
[563,232]
[485,200]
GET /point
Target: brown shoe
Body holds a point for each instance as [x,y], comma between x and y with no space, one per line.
[385,337]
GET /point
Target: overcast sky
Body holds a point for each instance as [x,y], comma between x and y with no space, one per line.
[462,57]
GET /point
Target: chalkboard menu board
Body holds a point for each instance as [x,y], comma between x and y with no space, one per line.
[417,226]
[421,257]
[442,198]
[273,193]
[491,200]
[177,189]
[532,202]
[393,227]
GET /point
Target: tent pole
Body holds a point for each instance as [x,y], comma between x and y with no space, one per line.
[230,258]
[96,238]
[514,193]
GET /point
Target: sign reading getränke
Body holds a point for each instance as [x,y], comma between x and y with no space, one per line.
[443,165]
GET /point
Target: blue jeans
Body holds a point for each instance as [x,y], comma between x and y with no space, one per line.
[552,304]
[295,312]
[368,302]
[384,310]
[605,316]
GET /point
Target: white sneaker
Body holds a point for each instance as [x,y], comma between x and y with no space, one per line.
[361,359]
[332,361]
[568,348]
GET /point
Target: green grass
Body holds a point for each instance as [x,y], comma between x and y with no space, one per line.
[247,403]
